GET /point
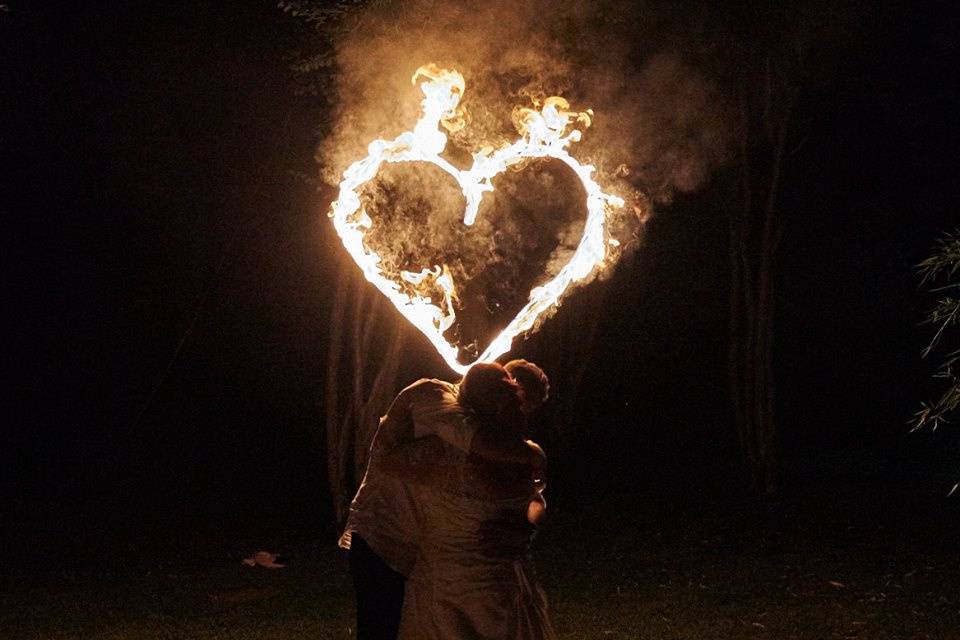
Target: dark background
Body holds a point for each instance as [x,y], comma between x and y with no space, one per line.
[158,198]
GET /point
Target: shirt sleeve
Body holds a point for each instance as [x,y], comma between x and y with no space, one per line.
[458,433]
[437,413]
[396,426]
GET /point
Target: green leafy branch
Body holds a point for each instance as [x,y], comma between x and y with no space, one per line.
[945,314]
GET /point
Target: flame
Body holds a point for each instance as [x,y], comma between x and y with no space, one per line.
[545,133]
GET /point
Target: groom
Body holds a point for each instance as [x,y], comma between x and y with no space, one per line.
[382,528]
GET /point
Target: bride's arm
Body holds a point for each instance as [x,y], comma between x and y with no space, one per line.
[537,509]
[500,439]
[538,463]
[497,481]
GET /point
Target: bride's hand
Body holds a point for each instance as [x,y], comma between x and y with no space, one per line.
[536,510]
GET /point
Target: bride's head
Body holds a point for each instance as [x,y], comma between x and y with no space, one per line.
[489,391]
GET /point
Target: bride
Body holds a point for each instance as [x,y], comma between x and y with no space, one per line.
[474,577]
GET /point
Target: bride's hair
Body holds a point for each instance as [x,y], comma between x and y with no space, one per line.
[486,387]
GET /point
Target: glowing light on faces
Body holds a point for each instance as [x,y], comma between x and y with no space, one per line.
[543,134]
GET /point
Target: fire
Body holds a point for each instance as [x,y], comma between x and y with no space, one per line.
[544,133]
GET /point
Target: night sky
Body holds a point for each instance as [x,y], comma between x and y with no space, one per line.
[160,196]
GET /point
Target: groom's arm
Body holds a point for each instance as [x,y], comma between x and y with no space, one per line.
[467,435]
[396,425]
[419,461]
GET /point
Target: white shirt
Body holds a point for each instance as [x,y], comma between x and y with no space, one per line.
[384,511]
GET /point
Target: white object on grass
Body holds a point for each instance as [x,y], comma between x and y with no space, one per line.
[264,559]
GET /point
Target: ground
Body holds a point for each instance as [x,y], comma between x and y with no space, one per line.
[816,565]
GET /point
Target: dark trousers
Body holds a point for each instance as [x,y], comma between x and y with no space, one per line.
[379,592]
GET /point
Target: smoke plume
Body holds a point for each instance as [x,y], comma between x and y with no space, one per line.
[659,127]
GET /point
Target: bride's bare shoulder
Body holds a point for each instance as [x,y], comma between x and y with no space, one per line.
[538,459]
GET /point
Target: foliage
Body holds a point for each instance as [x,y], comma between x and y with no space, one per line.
[945,262]
[320,15]
[314,63]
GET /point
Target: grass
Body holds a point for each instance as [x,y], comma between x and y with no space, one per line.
[816,567]
[311,600]
[786,577]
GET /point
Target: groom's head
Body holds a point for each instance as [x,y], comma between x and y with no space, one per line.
[534,384]
[487,389]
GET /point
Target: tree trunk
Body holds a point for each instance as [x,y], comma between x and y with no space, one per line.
[756,227]
[363,371]
[750,358]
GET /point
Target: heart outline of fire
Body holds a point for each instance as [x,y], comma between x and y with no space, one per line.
[544,133]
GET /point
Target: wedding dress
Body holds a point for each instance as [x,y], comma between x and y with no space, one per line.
[474,577]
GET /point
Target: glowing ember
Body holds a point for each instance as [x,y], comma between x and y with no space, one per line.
[544,134]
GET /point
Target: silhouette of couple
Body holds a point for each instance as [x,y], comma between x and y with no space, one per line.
[439,531]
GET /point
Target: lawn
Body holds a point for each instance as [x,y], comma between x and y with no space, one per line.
[812,567]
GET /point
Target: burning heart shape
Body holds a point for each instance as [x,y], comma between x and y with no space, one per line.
[544,134]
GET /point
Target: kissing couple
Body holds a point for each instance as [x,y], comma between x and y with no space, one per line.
[439,531]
